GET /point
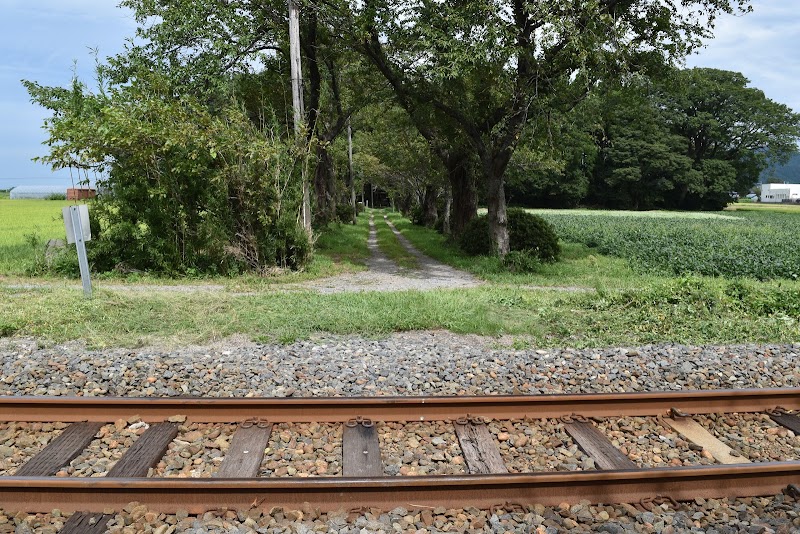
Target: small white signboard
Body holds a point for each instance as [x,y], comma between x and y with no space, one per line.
[83,212]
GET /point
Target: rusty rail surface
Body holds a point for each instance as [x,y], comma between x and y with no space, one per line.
[386,493]
[341,409]
[43,493]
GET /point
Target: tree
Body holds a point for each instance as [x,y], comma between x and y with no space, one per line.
[483,67]
[186,190]
[552,164]
[686,140]
[642,163]
[731,131]
[397,159]
[202,44]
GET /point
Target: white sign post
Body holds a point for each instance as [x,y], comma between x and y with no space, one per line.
[76,223]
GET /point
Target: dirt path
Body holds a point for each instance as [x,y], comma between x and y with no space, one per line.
[383,274]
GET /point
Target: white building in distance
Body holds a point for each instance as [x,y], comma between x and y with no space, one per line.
[777,193]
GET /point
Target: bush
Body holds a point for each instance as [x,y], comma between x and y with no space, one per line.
[532,233]
[527,232]
[344,213]
[475,240]
[521,261]
[196,190]
[417,216]
[56,196]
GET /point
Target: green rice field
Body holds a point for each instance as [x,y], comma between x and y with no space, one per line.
[23,222]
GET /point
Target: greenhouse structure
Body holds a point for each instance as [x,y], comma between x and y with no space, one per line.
[37,191]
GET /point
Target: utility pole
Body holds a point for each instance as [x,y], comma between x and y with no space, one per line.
[350,170]
[297,101]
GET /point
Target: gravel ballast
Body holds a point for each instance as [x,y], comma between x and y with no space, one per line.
[419,363]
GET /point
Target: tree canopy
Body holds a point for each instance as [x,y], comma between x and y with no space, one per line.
[551,102]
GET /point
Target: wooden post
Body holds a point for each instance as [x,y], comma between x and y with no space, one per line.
[297,100]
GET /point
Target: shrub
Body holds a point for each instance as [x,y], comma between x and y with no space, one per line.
[194,189]
[56,196]
[527,232]
[475,240]
[417,215]
[532,233]
[521,261]
[344,213]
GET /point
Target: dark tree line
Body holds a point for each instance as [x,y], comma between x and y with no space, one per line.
[685,140]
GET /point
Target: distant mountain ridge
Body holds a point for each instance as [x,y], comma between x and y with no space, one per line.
[789,173]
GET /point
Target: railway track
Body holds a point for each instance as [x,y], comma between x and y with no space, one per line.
[39,484]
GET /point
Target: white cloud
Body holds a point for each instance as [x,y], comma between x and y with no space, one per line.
[761,45]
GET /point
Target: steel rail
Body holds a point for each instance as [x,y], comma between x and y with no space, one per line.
[341,409]
[330,493]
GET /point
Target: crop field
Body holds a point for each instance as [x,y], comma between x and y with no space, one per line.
[25,221]
[753,244]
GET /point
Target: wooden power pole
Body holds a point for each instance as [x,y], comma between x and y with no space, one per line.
[297,101]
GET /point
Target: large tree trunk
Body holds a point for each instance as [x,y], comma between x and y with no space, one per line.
[498,222]
[429,214]
[324,186]
[448,202]
[494,169]
[465,192]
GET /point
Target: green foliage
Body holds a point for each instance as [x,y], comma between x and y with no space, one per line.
[56,196]
[726,122]
[703,298]
[527,232]
[687,140]
[532,234]
[521,261]
[752,244]
[191,190]
[344,213]
[475,239]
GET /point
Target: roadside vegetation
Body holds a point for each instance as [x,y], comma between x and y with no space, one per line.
[586,299]
[210,175]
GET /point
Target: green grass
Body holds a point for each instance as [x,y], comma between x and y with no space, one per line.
[23,221]
[5,194]
[619,305]
[580,266]
[775,208]
[691,311]
[390,245]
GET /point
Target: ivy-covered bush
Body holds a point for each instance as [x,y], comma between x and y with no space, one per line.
[527,232]
[186,189]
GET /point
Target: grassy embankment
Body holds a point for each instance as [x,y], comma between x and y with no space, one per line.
[622,304]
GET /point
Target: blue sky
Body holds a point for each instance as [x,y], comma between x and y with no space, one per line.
[41,39]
